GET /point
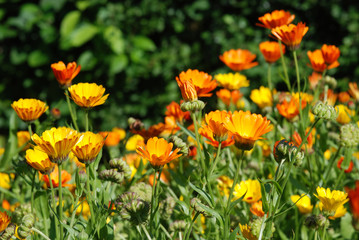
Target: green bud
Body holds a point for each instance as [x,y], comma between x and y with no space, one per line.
[282,149]
[198,208]
[20,212]
[23,231]
[142,190]
[179,143]
[256,226]
[325,111]
[111,175]
[132,208]
[311,222]
[298,158]
[28,220]
[349,135]
[121,166]
[178,226]
[322,221]
[330,81]
[194,106]
[8,232]
[166,207]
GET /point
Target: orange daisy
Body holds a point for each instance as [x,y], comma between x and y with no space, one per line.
[29,109]
[4,221]
[276,18]
[111,138]
[330,53]
[290,35]
[290,109]
[174,109]
[314,79]
[206,132]
[238,59]
[256,209]
[65,177]
[65,74]
[343,97]
[318,63]
[271,51]
[297,140]
[228,96]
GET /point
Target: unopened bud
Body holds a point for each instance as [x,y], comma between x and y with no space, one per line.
[8,232]
[20,212]
[121,166]
[166,207]
[56,113]
[282,149]
[324,111]
[349,135]
[256,226]
[142,190]
[135,124]
[28,220]
[330,81]
[194,106]
[311,222]
[195,204]
[351,105]
[179,143]
[322,221]
[111,175]
[178,226]
[132,208]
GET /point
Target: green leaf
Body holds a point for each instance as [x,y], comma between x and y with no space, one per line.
[11,146]
[204,194]
[346,227]
[143,43]
[87,60]
[114,39]
[118,63]
[233,235]
[348,153]
[41,203]
[69,23]
[80,36]
[37,58]
[212,212]
[264,197]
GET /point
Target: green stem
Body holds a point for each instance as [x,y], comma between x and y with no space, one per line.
[86,120]
[339,179]
[306,136]
[269,77]
[32,191]
[54,206]
[41,233]
[88,194]
[216,160]
[193,116]
[60,202]
[29,129]
[145,231]
[298,83]
[188,233]
[323,234]
[154,199]
[286,78]
[329,168]
[326,88]
[73,116]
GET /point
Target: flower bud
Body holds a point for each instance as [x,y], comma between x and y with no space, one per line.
[142,190]
[197,207]
[166,207]
[121,166]
[311,222]
[179,143]
[20,212]
[282,149]
[330,81]
[322,221]
[83,176]
[196,105]
[178,226]
[8,232]
[351,105]
[135,124]
[324,111]
[256,226]
[28,220]
[298,157]
[349,135]
[131,208]
[56,113]
[111,175]
[23,232]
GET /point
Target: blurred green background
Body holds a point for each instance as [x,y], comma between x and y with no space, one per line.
[135,49]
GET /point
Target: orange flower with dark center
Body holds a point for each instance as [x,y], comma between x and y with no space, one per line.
[256,209]
[353,90]
[349,169]
[229,96]
[330,53]
[318,63]
[29,109]
[276,18]
[290,109]
[247,128]
[174,109]
[314,79]
[158,152]
[201,81]
[152,131]
[290,35]
[4,221]
[353,195]
[343,97]
[271,51]
[65,74]
[238,59]
[65,177]
[297,140]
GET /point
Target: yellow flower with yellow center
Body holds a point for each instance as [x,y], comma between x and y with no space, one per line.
[246,232]
[262,97]
[340,212]
[23,138]
[87,149]
[5,181]
[251,189]
[232,81]
[88,95]
[331,200]
[39,160]
[29,109]
[4,221]
[57,142]
[133,141]
[303,203]
[344,114]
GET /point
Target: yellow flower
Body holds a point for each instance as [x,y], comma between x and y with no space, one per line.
[224,185]
[133,141]
[331,200]
[87,149]
[158,151]
[2,150]
[23,138]
[83,209]
[5,181]
[251,189]
[4,221]
[232,81]
[246,232]
[39,160]
[262,97]
[344,114]
[303,204]
[29,109]
[340,212]
[88,95]
[57,142]
[308,98]
[120,131]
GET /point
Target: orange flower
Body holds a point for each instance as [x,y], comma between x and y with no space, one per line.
[290,109]
[65,74]
[271,51]
[4,221]
[330,53]
[29,109]
[87,149]
[353,195]
[276,18]
[111,138]
[158,152]
[88,95]
[256,209]
[238,59]
[318,63]
[201,81]
[353,90]
[229,96]
[247,128]
[314,79]
[297,140]
[65,177]
[331,97]
[23,138]
[206,132]
[290,35]
[349,169]
[174,109]
[152,131]
[343,97]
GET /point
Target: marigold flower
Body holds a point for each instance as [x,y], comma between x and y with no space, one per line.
[158,152]
[290,109]
[87,149]
[276,18]
[340,212]
[4,221]
[152,131]
[314,79]
[23,138]
[304,205]
[120,131]
[174,109]
[349,169]
[5,180]
[297,140]
[271,51]
[353,90]
[214,121]
[247,128]
[262,97]
[83,209]
[251,189]
[65,177]
[238,59]
[57,142]
[134,141]
[88,95]
[256,209]
[29,109]
[224,185]
[232,81]
[290,35]
[318,62]
[247,232]
[343,97]
[353,195]
[111,138]
[331,200]
[39,160]
[201,81]
[227,96]
[206,132]
[330,54]
[65,74]
[344,114]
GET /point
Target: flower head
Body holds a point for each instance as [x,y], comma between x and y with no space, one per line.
[4,221]
[262,97]
[271,51]
[87,149]
[232,81]
[344,114]
[158,151]
[303,203]
[314,79]
[331,200]
[227,96]
[276,18]
[353,90]
[343,97]
[238,59]
[257,209]
[29,109]
[290,109]
[353,195]
[23,138]
[290,35]
[247,128]
[330,54]
[251,189]
[152,131]
[297,140]
[65,74]
[39,160]
[174,109]
[318,62]
[247,232]
[88,95]
[214,121]
[5,180]
[111,138]
[57,142]
[65,177]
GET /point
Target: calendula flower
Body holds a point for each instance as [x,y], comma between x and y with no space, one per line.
[238,59]
[5,180]
[4,221]
[344,114]
[232,81]
[224,185]
[158,152]
[247,128]
[330,54]
[271,51]
[57,142]
[134,141]
[23,138]
[29,109]
[39,160]
[297,140]
[318,62]
[353,90]
[120,131]
[227,96]
[246,232]
[206,132]
[262,97]
[251,189]
[308,98]
[256,209]
[65,177]
[111,138]
[340,212]
[290,109]
[214,121]
[201,81]
[353,195]
[87,149]
[303,203]
[174,109]
[343,97]
[314,79]
[349,169]
[65,74]
[331,200]
[88,95]
[152,131]
[83,209]
[276,18]
[188,91]
[291,35]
